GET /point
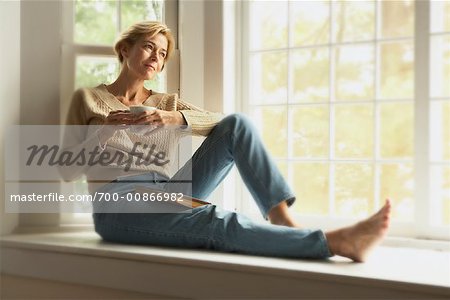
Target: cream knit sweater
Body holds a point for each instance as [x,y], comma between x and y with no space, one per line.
[90,106]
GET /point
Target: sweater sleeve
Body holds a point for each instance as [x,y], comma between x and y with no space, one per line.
[199,120]
[79,136]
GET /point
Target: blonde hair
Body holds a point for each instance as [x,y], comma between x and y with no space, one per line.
[137,30]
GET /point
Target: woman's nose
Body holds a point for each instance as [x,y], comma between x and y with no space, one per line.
[154,56]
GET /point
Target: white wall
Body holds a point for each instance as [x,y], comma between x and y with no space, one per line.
[201,59]
[9,91]
[213,30]
[40,53]
[30,78]
[40,62]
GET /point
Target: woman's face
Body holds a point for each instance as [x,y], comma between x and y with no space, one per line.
[146,57]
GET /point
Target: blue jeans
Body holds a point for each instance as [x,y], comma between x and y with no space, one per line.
[233,141]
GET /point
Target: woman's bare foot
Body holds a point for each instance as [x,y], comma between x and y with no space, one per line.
[279,215]
[355,242]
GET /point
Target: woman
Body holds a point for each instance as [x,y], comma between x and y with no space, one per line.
[142,51]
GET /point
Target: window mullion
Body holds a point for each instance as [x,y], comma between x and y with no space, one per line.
[290,89]
[81,49]
[332,96]
[119,16]
[243,205]
[67,56]
[376,116]
[421,119]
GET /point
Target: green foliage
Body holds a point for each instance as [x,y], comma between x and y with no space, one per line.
[274,71]
[446,131]
[311,131]
[157,84]
[354,126]
[354,20]
[397,184]
[397,70]
[397,19]
[274,130]
[354,189]
[397,130]
[353,79]
[311,28]
[95,22]
[311,187]
[311,74]
[446,194]
[136,11]
[92,71]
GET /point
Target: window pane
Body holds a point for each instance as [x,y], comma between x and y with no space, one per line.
[445,192]
[95,22]
[354,73]
[311,185]
[354,20]
[354,190]
[311,74]
[268,78]
[94,70]
[440,66]
[397,18]
[311,21]
[397,70]
[158,84]
[283,167]
[440,131]
[396,140]
[440,195]
[354,131]
[272,123]
[80,187]
[397,184]
[311,131]
[440,16]
[268,24]
[136,11]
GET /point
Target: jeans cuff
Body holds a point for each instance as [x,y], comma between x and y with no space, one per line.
[325,248]
[290,199]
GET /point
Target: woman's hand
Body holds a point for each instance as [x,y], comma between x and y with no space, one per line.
[119,117]
[116,120]
[159,118]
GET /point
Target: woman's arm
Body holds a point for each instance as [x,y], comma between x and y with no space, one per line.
[200,120]
[79,136]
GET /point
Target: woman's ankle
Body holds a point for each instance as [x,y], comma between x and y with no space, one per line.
[280,215]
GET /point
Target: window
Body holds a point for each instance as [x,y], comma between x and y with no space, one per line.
[352,98]
[90,29]
[440,112]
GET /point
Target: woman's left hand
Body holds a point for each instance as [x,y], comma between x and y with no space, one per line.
[159,118]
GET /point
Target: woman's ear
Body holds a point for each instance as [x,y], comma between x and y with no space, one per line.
[124,50]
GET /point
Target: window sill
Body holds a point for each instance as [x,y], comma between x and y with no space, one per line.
[84,259]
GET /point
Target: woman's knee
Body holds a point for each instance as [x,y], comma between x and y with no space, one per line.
[236,121]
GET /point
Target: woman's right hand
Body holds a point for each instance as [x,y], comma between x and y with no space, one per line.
[116,120]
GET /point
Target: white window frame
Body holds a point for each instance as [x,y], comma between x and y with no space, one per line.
[70,50]
[419,228]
